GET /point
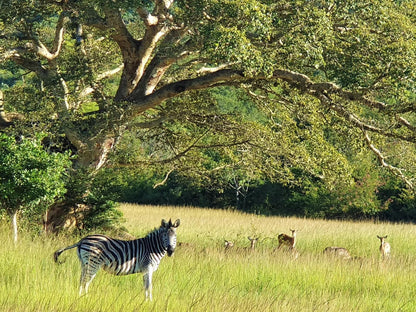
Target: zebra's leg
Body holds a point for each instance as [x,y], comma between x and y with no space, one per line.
[88,282]
[147,279]
[89,271]
[81,280]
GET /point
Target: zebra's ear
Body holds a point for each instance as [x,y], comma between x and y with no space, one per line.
[176,224]
[165,223]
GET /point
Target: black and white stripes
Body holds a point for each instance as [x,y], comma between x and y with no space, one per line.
[122,257]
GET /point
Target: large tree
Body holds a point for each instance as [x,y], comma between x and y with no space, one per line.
[317,69]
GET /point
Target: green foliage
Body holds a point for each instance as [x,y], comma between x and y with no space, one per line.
[102,214]
[401,202]
[97,209]
[35,104]
[31,178]
[291,164]
[225,144]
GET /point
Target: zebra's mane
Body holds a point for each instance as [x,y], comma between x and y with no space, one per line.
[154,231]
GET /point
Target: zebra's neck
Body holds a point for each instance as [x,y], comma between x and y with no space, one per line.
[155,242]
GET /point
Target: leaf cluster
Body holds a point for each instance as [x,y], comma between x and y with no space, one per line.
[31,178]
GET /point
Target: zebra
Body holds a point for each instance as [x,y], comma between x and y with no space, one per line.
[121,257]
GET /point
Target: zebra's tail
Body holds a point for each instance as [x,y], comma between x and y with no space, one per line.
[58,252]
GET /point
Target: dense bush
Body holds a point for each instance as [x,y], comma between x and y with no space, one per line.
[31,178]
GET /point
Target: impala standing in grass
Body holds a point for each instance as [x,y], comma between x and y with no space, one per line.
[384,247]
[287,240]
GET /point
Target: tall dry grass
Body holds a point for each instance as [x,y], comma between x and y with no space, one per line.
[203,277]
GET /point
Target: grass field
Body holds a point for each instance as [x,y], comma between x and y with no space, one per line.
[201,276]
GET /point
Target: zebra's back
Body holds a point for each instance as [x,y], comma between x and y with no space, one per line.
[115,256]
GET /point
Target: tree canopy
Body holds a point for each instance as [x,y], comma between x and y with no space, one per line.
[317,81]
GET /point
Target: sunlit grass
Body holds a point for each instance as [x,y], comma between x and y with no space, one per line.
[201,276]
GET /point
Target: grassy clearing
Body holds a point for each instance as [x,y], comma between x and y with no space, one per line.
[202,277]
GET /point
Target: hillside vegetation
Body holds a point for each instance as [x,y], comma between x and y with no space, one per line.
[203,277]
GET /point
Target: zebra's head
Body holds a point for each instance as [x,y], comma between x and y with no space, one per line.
[170,232]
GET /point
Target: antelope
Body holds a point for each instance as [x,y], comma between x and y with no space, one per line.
[338,251]
[384,247]
[228,244]
[289,241]
[253,242]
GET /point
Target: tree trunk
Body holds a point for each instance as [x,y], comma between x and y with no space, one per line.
[14,224]
[45,222]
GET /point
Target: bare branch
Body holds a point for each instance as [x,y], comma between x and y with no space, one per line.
[396,171]
[164,180]
[406,123]
[39,48]
[64,85]
[204,70]
[59,35]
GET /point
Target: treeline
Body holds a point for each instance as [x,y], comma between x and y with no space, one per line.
[369,198]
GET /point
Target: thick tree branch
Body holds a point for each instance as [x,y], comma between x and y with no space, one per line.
[304,83]
[65,102]
[169,52]
[204,70]
[320,91]
[17,55]
[121,34]
[135,53]
[149,42]
[155,72]
[141,104]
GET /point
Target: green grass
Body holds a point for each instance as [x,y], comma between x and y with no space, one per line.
[201,276]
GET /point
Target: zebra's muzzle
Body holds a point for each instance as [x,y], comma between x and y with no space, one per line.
[170,250]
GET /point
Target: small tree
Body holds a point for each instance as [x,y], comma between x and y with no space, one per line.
[30,178]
